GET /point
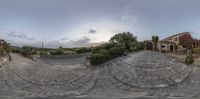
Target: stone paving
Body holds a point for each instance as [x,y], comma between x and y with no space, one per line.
[142,74]
[149,70]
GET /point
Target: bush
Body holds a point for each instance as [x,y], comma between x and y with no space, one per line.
[103,51]
[16,50]
[57,52]
[97,59]
[26,51]
[121,46]
[83,50]
[140,46]
[43,53]
[2,52]
[97,48]
[108,45]
[189,60]
[116,51]
[106,53]
[103,46]
[34,52]
[7,50]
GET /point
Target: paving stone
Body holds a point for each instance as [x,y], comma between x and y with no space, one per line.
[144,73]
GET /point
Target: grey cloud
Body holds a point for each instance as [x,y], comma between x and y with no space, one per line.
[127,14]
[81,42]
[92,31]
[74,43]
[19,35]
[64,39]
[53,44]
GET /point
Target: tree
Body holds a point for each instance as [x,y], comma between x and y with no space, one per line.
[155,40]
[125,38]
[186,41]
[27,50]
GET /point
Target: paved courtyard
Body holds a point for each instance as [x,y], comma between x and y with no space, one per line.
[142,75]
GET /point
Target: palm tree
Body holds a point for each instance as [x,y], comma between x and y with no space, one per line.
[155,40]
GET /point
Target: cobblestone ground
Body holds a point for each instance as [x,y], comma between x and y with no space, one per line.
[143,74]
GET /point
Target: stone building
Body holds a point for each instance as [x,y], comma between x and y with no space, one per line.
[3,44]
[174,43]
[148,45]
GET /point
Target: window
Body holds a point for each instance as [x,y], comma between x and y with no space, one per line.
[163,46]
[176,39]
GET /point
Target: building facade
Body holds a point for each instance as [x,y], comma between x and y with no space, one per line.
[175,43]
[3,44]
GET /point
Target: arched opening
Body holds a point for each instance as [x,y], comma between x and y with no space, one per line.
[171,48]
[149,46]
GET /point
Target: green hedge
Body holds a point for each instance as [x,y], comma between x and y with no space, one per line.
[57,52]
[26,51]
[43,53]
[103,46]
[106,52]
[82,50]
[2,52]
[16,51]
[34,52]
[97,59]
[116,51]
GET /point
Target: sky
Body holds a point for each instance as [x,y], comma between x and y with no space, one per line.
[75,23]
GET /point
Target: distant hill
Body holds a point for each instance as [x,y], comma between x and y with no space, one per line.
[95,44]
[15,47]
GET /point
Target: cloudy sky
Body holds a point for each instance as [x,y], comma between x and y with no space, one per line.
[71,23]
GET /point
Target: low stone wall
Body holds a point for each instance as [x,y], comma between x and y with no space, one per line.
[64,56]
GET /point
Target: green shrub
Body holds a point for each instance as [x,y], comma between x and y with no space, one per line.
[119,44]
[140,46]
[189,60]
[97,59]
[122,46]
[16,51]
[2,52]
[108,45]
[82,50]
[43,53]
[103,46]
[34,52]
[7,50]
[96,49]
[106,53]
[57,52]
[26,51]
[116,51]
[103,51]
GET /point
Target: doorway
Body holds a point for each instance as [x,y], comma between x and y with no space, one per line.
[149,46]
[171,48]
